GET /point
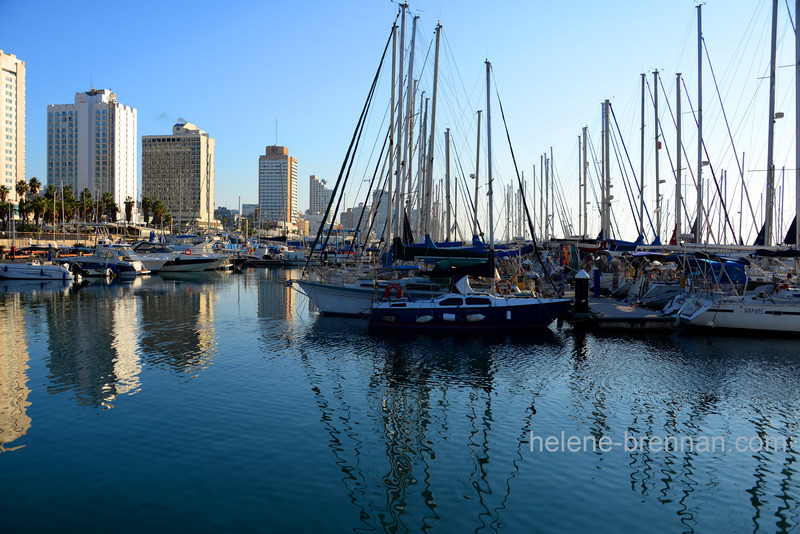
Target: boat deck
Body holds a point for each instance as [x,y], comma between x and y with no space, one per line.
[607,313]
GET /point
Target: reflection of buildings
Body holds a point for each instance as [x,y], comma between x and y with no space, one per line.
[93,344]
[275,297]
[100,335]
[178,323]
[14,420]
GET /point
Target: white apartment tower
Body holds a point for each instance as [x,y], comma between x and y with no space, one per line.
[12,128]
[92,144]
[178,170]
[277,187]
[320,195]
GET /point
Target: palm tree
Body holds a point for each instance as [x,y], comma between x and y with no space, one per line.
[129,203]
[86,204]
[147,205]
[113,209]
[22,189]
[23,207]
[159,209]
[105,203]
[50,206]
[38,205]
[35,186]
[4,191]
[168,221]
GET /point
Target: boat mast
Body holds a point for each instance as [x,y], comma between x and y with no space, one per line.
[388,201]
[546,198]
[553,192]
[429,174]
[395,210]
[585,176]
[419,194]
[606,214]
[408,139]
[423,198]
[580,211]
[678,199]
[770,200]
[536,225]
[641,167]
[541,196]
[477,166]
[698,232]
[657,146]
[447,179]
[489,154]
[797,129]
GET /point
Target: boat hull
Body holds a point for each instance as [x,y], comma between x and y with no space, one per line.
[342,300]
[748,314]
[354,300]
[26,271]
[503,314]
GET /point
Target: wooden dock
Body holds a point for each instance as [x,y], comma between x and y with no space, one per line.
[607,313]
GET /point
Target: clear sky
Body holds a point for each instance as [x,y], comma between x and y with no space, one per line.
[253,73]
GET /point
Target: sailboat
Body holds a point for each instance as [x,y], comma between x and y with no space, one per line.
[720,300]
[464,308]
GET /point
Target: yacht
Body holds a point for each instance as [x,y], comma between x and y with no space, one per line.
[171,260]
[109,261]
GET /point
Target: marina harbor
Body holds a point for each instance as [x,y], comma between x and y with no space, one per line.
[386,267]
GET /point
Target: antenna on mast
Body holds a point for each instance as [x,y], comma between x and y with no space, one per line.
[276,132]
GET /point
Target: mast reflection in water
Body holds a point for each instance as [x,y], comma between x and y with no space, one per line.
[219,402]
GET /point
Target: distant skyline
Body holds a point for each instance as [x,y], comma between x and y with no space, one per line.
[296,74]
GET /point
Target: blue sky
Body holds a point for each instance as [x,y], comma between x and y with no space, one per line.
[251,73]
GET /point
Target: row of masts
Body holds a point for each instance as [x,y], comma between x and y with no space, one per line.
[433,202]
[702,226]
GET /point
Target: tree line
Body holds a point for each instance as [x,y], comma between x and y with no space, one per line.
[53,206]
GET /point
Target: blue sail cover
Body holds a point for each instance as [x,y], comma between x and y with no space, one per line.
[729,272]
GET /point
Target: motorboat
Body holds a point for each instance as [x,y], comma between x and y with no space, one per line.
[171,260]
[35,270]
[109,261]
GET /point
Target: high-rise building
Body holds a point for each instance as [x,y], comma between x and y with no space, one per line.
[178,170]
[277,188]
[12,128]
[320,195]
[92,144]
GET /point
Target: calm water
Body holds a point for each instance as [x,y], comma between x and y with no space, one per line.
[222,403]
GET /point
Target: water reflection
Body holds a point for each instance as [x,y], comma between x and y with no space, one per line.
[681,408]
[178,321]
[276,298]
[14,390]
[92,343]
[410,430]
[419,429]
[98,335]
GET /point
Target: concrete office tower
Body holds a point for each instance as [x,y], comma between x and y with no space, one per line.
[178,170]
[319,195]
[92,143]
[12,127]
[277,188]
